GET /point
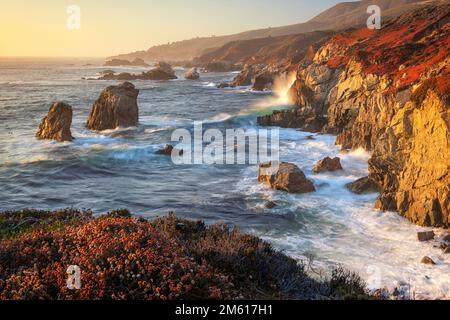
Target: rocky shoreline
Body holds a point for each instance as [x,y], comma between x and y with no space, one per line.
[380,91]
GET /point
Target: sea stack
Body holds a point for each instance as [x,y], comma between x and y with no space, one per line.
[56,125]
[116,107]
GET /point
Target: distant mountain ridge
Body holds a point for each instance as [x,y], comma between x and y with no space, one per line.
[340,16]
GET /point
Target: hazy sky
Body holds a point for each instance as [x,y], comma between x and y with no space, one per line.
[108,27]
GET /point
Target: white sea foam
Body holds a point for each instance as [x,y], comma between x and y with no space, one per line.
[339,227]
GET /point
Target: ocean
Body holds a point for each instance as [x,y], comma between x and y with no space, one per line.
[119,169]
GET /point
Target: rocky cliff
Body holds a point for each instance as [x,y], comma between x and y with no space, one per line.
[387,91]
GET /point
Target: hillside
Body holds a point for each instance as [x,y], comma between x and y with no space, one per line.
[341,16]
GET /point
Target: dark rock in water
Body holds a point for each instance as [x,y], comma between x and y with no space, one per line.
[293,118]
[56,125]
[163,72]
[328,164]
[425,236]
[446,238]
[168,150]
[224,85]
[116,107]
[270,205]
[221,66]
[284,176]
[192,74]
[447,250]
[363,185]
[427,260]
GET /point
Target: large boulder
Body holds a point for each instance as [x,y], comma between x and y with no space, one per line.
[192,74]
[328,164]
[56,125]
[116,107]
[284,176]
[363,185]
[166,68]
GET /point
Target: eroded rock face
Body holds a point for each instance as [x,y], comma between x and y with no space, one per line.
[301,118]
[287,177]
[385,92]
[116,107]
[56,125]
[192,74]
[221,66]
[328,164]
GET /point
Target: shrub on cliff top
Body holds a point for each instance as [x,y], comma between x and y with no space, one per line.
[122,257]
[119,258]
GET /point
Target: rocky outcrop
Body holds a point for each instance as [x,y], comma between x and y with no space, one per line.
[137,62]
[301,118]
[56,125]
[260,76]
[116,107]
[154,74]
[387,92]
[284,176]
[192,74]
[166,68]
[363,185]
[328,165]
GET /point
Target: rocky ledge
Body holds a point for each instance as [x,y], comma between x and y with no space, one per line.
[56,125]
[116,107]
[386,91]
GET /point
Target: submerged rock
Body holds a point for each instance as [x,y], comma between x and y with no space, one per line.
[116,107]
[270,205]
[168,150]
[328,164]
[425,236]
[56,125]
[363,185]
[192,74]
[284,176]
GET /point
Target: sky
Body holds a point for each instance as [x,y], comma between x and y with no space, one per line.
[45,28]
